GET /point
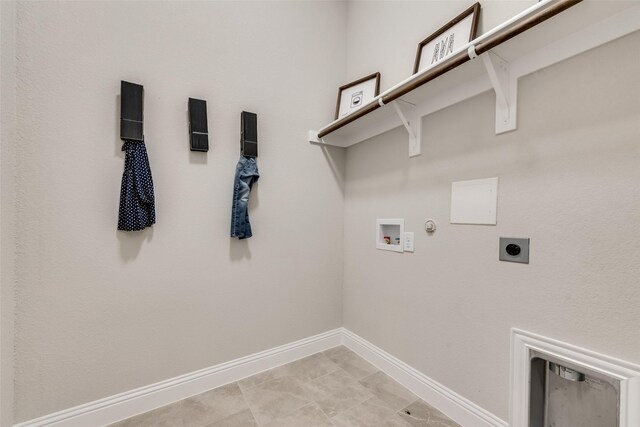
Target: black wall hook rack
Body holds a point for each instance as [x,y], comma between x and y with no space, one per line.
[198,127]
[249,134]
[131,111]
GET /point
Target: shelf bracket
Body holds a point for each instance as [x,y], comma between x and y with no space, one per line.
[506,89]
[313,137]
[412,123]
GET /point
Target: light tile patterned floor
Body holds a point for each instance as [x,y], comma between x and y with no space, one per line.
[336,388]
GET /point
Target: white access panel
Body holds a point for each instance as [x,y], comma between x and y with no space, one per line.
[474,202]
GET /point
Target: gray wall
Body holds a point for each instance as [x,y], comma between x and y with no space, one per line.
[569,180]
[7,205]
[98,311]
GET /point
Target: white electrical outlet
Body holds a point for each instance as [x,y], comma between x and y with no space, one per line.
[408,241]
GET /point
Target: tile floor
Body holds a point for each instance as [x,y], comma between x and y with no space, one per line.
[335,388]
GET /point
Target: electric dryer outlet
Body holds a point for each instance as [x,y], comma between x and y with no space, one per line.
[514,249]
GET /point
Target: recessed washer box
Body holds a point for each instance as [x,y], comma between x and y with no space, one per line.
[390,234]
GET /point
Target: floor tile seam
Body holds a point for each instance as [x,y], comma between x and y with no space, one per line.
[400,398]
[300,379]
[339,357]
[232,415]
[267,381]
[257,384]
[343,387]
[337,368]
[246,401]
[365,389]
[415,401]
[314,403]
[333,372]
[364,378]
[368,375]
[396,412]
[350,374]
[305,396]
[332,348]
[331,362]
[255,419]
[302,405]
[394,394]
[398,417]
[283,415]
[350,407]
[305,392]
[268,370]
[322,354]
[401,410]
[344,412]
[428,420]
[386,404]
[310,380]
[395,409]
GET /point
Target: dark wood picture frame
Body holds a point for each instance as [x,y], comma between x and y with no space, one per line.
[354,83]
[473,10]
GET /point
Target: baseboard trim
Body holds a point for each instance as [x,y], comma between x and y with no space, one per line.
[124,405]
[455,406]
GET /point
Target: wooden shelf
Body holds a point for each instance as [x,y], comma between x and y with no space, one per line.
[546,33]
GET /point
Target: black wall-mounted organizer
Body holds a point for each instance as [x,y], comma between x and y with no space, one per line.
[131,111]
[198,127]
[249,134]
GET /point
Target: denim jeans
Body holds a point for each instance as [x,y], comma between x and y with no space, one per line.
[246,176]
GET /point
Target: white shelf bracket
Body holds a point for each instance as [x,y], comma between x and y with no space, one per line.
[313,137]
[412,123]
[506,88]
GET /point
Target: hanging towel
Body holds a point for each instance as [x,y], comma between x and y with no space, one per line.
[137,202]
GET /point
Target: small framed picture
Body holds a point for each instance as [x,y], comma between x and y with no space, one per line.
[448,39]
[354,95]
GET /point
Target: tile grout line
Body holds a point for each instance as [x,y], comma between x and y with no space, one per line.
[353,379]
[313,402]
[350,407]
[244,398]
[411,403]
[401,410]
[309,401]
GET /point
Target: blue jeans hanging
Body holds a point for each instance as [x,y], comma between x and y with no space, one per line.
[246,176]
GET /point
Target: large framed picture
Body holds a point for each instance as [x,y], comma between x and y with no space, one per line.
[354,95]
[448,39]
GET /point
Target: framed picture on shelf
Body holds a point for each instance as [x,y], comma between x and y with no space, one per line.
[448,39]
[354,95]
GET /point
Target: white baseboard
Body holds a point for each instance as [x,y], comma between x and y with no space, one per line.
[456,407]
[124,405]
[463,411]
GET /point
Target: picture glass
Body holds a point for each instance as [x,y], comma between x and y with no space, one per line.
[446,43]
[356,96]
